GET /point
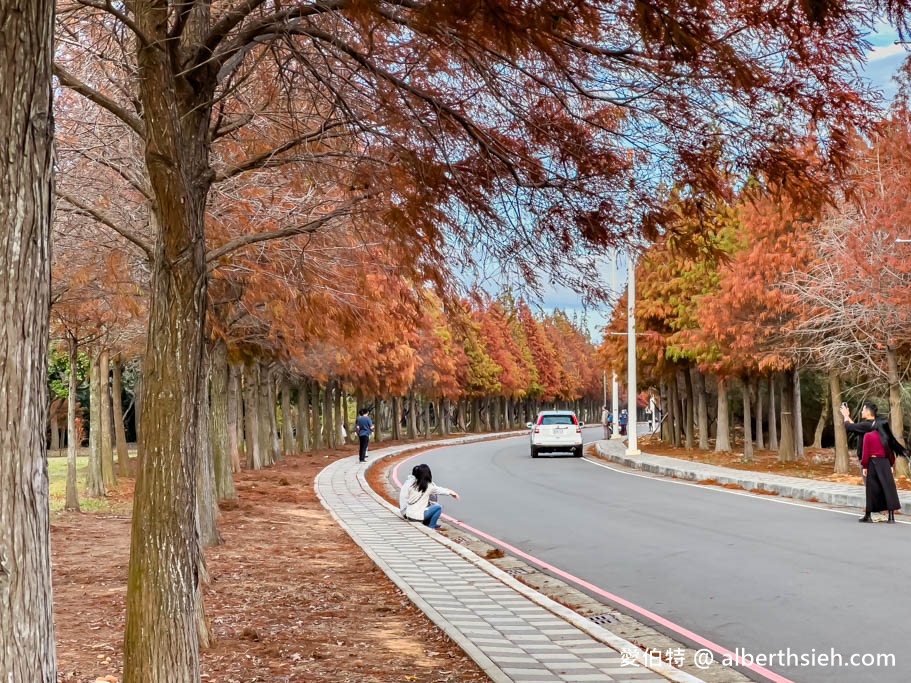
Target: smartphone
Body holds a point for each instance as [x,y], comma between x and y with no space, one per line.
[844,405]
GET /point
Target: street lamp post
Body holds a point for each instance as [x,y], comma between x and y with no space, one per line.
[615,385]
[632,402]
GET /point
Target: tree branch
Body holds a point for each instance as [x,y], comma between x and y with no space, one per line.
[267,158]
[108,7]
[255,238]
[107,221]
[70,81]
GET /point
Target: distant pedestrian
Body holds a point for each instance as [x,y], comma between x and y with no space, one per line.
[624,420]
[365,429]
[878,446]
[414,498]
[605,421]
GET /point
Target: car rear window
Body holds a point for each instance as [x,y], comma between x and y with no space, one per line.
[557,420]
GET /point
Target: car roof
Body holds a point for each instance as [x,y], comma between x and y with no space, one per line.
[557,412]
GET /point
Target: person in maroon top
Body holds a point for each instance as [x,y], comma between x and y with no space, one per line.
[878,462]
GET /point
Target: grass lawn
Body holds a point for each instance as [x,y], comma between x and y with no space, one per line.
[56,470]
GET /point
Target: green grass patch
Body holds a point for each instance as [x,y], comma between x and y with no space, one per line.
[56,470]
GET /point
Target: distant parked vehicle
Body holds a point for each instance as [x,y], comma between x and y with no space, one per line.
[556,431]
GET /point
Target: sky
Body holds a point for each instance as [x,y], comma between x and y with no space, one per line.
[883,60]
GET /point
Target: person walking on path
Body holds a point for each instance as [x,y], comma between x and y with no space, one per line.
[365,429]
[605,421]
[414,498]
[624,420]
[862,428]
[878,446]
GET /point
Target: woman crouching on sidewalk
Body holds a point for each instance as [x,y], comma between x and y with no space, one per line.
[880,449]
[414,498]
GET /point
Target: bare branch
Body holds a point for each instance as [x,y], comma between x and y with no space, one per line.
[70,81]
[108,7]
[268,158]
[107,221]
[255,238]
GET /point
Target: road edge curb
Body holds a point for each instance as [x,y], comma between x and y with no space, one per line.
[585,625]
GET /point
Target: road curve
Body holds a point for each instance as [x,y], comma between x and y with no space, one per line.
[744,572]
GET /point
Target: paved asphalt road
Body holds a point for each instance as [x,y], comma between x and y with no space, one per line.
[744,572]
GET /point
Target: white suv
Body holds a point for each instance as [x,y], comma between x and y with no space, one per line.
[556,430]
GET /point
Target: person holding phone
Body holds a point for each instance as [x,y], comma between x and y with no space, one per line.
[877,449]
[862,428]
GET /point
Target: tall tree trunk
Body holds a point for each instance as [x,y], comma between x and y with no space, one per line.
[787,451]
[287,420]
[95,477]
[266,410]
[798,417]
[206,496]
[676,410]
[760,443]
[235,418]
[342,413]
[445,416]
[821,425]
[123,462]
[396,419]
[476,416]
[273,419]
[27,652]
[689,417]
[747,420]
[220,425]
[105,433]
[723,436]
[137,417]
[251,417]
[166,562]
[842,456]
[55,427]
[412,428]
[315,424]
[380,416]
[773,414]
[426,419]
[72,439]
[667,414]
[896,418]
[303,415]
[702,410]
[328,435]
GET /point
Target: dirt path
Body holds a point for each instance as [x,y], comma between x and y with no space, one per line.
[292,598]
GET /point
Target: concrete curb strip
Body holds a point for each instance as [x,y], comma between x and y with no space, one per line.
[830,493]
[588,627]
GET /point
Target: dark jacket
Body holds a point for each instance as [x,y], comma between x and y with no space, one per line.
[860,428]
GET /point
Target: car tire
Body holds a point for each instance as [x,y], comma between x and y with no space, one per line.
[534,452]
[577,452]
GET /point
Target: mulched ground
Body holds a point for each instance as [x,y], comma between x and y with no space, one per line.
[292,598]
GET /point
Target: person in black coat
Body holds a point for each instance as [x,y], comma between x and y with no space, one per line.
[862,428]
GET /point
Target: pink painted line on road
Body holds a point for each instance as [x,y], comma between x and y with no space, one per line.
[633,607]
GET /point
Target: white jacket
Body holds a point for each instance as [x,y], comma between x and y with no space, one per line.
[413,503]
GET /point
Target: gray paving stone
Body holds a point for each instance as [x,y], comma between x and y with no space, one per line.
[511,636]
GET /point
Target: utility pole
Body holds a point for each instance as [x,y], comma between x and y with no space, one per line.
[615,385]
[632,402]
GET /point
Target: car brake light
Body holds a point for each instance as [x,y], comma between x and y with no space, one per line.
[537,431]
[578,430]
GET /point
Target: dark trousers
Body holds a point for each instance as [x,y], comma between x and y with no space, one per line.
[364,441]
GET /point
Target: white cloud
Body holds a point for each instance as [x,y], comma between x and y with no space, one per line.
[885,51]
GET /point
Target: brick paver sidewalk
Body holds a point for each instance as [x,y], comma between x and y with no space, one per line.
[513,632]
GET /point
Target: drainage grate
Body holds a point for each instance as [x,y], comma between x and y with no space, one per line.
[602,619]
[515,571]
